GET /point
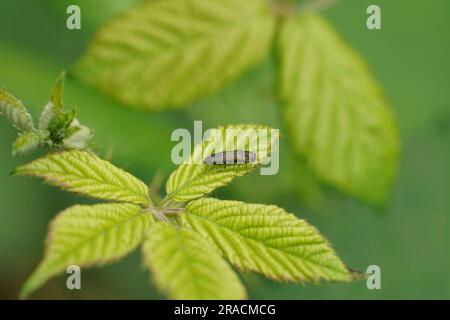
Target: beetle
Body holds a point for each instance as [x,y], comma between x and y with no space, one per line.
[231,157]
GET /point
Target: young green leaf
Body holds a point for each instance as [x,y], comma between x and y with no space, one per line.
[64,130]
[78,138]
[58,93]
[334,110]
[15,112]
[169,53]
[186,266]
[26,142]
[194,179]
[89,235]
[46,117]
[84,173]
[265,239]
[54,108]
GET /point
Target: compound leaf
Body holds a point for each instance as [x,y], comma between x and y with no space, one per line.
[85,173]
[169,53]
[335,111]
[265,239]
[14,110]
[194,179]
[186,266]
[89,235]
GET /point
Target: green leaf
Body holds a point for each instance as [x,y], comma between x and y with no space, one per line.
[46,117]
[89,235]
[58,93]
[169,53]
[15,112]
[265,239]
[26,142]
[194,179]
[85,173]
[335,111]
[53,110]
[185,266]
[65,131]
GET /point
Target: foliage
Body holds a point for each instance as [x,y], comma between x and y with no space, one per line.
[265,239]
[191,181]
[89,235]
[166,54]
[415,84]
[57,129]
[334,110]
[86,174]
[199,272]
[187,240]
[169,54]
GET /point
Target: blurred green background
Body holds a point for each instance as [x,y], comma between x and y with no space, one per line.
[409,239]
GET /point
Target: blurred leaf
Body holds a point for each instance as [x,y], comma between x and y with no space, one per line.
[265,239]
[335,111]
[89,235]
[26,142]
[15,112]
[84,173]
[185,266]
[194,179]
[169,53]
